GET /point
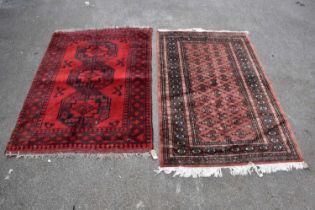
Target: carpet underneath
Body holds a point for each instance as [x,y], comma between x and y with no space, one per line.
[91,94]
[217,108]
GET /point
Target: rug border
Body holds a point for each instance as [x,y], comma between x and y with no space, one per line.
[161,143]
[273,92]
[160,116]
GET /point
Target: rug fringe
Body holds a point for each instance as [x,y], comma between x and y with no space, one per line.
[81,155]
[243,170]
[201,30]
[191,172]
[101,28]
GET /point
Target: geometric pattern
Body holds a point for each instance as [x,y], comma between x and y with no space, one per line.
[88,106]
[84,110]
[91,93]
[216,105]
[219,104]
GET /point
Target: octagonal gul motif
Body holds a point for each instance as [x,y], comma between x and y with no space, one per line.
[88,106]
[84,110]
[98,75]
[97,51]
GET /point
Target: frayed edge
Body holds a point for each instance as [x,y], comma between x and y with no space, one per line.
[191,172]
[99,29]
[201,30]
[80,155]
[243,170]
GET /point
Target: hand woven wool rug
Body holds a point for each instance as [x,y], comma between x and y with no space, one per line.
[91,94]
[217,108]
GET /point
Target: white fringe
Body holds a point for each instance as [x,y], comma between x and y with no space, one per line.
[94,156]
[243,170]
[191,172]
[201,30]
[100,28]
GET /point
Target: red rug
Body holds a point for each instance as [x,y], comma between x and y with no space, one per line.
[91,94]
[217,108]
